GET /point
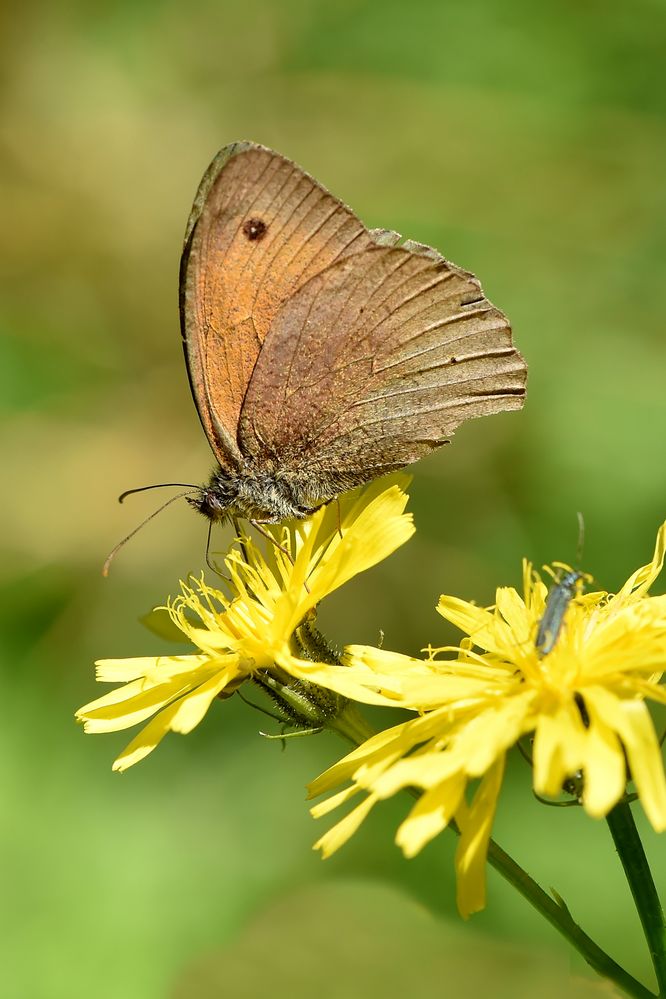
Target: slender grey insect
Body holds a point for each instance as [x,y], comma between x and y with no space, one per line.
[560,595]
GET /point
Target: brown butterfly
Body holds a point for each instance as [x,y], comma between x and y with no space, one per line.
[322,354]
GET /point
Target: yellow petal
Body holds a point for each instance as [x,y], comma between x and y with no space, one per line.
[389,744]
[340,833]
[330,804]
[430,815]
[437,690]
[382,749]
[632,722]
[475,825]
[511,606]
[372,525]
[491,730]
[147,739]
[192,708]
[654,691]
[477,622]
[383,661]
[423,684]
[155,669]
[422,769]
[604,767]
[358,683]
[127,706]
[123,670]
[642,579]
[559,748]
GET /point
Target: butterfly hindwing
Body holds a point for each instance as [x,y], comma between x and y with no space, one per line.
[374,362]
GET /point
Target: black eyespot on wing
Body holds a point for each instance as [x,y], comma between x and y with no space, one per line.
[255,229]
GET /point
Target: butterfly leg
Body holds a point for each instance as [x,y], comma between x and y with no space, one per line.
[336,499]
[209,562]
[298,734]
[239,534]
[257,524]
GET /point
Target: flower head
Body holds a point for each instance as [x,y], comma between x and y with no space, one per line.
[251,628]
[582,705]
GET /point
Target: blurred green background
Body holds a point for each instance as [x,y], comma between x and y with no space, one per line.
[528,143]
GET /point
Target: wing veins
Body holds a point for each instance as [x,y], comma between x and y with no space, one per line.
[225,339]
[312,233]
[205,320]
[458,339]
[412,389]
[440,280]
[275,232]
[395,417]
[441,323]
[235,231]
[317,431]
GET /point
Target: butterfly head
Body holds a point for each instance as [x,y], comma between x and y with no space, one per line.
[217,499]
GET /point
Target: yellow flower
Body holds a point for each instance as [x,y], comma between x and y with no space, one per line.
[272,589]
[583,705]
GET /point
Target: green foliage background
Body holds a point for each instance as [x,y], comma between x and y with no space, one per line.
[527,142]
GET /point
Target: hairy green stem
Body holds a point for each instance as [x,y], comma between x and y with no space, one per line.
[636,868]
[558,915]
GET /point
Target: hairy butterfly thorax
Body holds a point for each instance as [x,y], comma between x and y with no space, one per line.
[264,497]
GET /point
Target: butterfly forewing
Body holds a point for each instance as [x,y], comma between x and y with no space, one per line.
[374,362]
[260,229]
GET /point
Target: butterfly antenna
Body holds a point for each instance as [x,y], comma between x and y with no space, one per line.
[158,485]
[112,554]
[581,538]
